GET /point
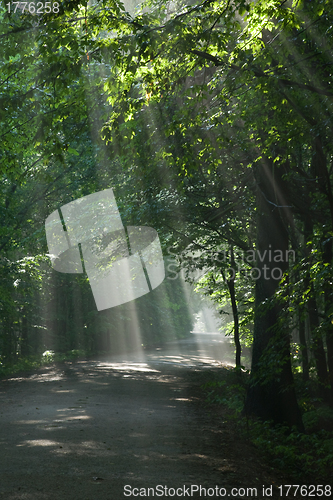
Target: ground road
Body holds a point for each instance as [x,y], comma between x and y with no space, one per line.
[123,427]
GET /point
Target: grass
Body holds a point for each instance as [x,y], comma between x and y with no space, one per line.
[32,363]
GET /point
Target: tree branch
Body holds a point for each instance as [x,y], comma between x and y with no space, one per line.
[262,74]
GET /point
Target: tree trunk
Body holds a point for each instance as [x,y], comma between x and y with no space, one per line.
[317,340]
[329,343]
[231,287]
[271,395]
[318,346]
[327,257]
[24,333]
[304,348]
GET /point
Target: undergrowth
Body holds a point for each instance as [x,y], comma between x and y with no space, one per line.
[31,363]
[307,457]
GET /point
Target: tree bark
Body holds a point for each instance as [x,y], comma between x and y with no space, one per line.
[327,257]
[304,348]
[318,346]
[271,395]
[24,333]
[317,340]
[231,288]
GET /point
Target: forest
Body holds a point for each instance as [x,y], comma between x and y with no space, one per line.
[212,123]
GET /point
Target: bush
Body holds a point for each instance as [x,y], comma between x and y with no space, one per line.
[303,455]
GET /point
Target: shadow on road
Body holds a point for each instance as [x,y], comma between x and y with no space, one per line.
[85,430]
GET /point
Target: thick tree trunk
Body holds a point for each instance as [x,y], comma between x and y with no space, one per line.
[271,395]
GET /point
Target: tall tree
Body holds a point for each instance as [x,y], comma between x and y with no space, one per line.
[208,105]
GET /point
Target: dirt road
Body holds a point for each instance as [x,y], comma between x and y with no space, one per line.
[97,429]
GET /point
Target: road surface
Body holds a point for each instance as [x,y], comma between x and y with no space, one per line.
[98,429]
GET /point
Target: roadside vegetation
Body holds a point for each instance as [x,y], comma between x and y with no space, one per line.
[305,457]
[212,123]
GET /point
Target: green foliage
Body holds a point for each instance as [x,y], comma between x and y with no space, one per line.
[193,100]
[304,456]
[33,363]
[227,388]
[315,418]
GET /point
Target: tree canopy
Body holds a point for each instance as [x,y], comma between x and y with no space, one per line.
[212,121]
